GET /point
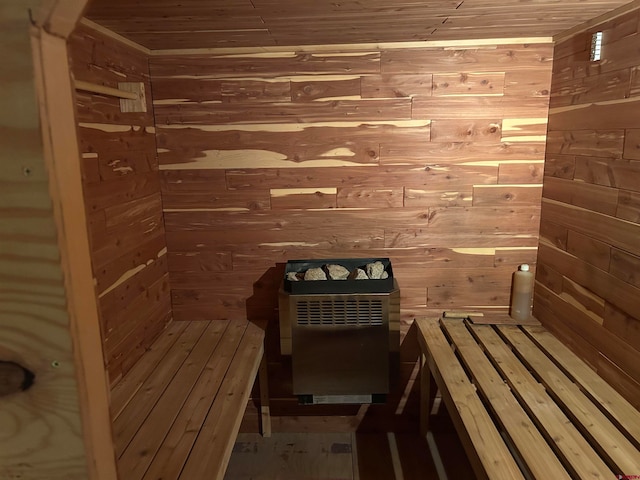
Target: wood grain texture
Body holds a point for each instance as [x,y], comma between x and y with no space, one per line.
[589,209]
[122,200]
[270,23]
[365,156]
[167,411]
[58,425]
[368,150]
[33,318]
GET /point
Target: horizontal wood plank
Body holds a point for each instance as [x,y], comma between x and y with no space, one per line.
[626,416]
[212,449]
[575,451]
[481,439]
[608,440]
[526,438]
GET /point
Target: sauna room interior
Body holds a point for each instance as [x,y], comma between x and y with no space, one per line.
[459,139]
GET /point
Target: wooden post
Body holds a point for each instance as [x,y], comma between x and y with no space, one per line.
[425,395]
[54,409]
[263,383]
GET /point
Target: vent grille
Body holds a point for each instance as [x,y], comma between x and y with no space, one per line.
[356,311]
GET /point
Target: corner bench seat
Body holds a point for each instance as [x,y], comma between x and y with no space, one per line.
[524,405]
[177,412]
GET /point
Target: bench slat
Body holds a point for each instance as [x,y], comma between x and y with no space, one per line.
[532,447]
[594,424]
[140,452]
[569,442]
[127,387]
[625,415]
[212,450]
[174,451]
[133,415]
[478,433]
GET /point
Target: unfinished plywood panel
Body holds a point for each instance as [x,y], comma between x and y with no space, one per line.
[587,291]
[53,395]
[122,199]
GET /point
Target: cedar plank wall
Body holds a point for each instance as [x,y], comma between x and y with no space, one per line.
[430,156]
[123,203]
[588,287]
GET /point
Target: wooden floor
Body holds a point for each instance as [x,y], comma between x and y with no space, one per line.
[351,456]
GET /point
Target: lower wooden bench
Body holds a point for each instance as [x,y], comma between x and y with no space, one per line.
[177,413]
[524,405]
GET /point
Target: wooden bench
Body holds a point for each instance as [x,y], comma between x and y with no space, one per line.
[524,405]
[177,413]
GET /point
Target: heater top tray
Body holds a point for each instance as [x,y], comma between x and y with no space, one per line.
[337,286]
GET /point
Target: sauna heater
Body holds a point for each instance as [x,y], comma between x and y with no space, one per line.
[341,337]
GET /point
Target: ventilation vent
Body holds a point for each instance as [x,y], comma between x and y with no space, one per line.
[340,312]
[596,46]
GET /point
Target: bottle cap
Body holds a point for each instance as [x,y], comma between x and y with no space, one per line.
[524,267]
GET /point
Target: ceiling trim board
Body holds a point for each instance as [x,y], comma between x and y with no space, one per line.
[480,43]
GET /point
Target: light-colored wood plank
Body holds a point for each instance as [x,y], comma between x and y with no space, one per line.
[497,318]
[476,429]
[576,451]
[87,450]
[134,413]
[143,447]
[127,387]
[530,444]
[606,437]
[171,456]
[212,450]
[626,416]
[104,90]
[57,18]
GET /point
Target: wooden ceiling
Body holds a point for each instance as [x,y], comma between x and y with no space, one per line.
[167,24]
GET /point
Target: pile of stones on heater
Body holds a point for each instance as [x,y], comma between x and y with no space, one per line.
[371,271]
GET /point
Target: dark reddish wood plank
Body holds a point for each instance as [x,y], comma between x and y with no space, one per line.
[370,197]
[391,86]
[319,89]
[498,195]
[229,66]
[521,172]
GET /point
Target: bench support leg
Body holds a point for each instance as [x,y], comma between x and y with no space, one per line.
[263,382]
[425,395]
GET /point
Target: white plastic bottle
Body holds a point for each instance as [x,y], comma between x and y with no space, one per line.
[521,293]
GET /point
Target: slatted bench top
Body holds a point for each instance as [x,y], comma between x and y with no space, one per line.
[178,411]
[525,406]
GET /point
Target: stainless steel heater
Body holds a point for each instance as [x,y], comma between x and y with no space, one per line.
[340,341]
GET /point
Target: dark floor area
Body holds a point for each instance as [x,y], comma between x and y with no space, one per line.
[352,456]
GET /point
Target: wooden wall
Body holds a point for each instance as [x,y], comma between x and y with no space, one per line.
[588,287]
[123,203]
[430,156]
[54,424]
